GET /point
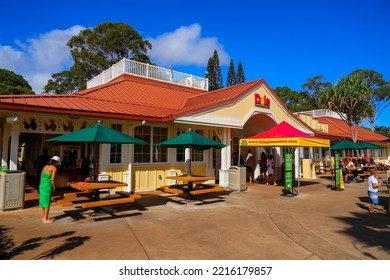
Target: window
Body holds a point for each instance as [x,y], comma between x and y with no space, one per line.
[160,134]
[152,135]
[196,155]
[116,149]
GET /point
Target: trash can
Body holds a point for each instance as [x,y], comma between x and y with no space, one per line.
[237,178]
[12,190]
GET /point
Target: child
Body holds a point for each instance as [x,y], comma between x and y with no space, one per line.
[270,164]
[373,185]
[263,167]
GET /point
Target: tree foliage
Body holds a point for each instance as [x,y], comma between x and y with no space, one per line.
[240,76]
[235,77]
[294,100]
[214,73]
[380,92]
[12,83]
[312,91]
[384,130]
[231,76]
[349,99]
[95,50]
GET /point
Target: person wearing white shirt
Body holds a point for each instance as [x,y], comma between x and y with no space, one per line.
[373,184]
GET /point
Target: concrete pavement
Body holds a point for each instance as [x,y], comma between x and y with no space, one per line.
[257,224]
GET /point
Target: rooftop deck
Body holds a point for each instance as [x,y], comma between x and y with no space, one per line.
[150,72]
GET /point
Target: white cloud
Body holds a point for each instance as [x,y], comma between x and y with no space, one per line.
[186,47]
[38,58]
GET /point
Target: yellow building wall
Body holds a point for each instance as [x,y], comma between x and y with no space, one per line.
[238,114]
[146,178]
[313,123]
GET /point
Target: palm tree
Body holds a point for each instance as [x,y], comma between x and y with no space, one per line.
[349,98]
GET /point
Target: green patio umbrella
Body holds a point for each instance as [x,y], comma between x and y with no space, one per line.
[346,145]
[97,134]
[370,146]
[191,140]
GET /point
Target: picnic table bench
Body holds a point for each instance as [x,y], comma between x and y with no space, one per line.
[110,201]
[198,189]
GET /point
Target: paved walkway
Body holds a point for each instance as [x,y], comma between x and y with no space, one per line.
[256,224]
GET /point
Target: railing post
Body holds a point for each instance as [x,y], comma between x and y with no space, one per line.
[147,70]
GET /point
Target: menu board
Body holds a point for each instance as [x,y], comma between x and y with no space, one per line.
[288,174]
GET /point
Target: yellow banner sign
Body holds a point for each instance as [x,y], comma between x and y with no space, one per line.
[285,142]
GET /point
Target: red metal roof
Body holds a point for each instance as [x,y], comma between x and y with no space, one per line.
[339,129]
[130,97]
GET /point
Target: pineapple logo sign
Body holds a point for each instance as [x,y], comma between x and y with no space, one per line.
[262,101]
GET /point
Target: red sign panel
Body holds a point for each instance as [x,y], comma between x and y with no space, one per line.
[262,101]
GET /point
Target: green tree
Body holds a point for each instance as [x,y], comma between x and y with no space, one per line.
[12,83]
[231,76]
[348,98]
[95,50]
[214,72]
[312,91]
[380,89]
[384,130]
[294,100]
[240,76]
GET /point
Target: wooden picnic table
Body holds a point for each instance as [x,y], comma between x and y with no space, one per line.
[97,186]
[96,202]
[190,180]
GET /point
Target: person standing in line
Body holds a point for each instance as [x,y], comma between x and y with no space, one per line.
[263,167]
[47,186]
[39,163]
[249,165]
[373,184]
[270,165]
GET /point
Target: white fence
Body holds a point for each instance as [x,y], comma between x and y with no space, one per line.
[148,71]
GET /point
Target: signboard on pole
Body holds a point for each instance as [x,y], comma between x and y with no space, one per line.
[337,169]
[288,174]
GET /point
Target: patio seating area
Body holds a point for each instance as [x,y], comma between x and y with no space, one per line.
[302,227]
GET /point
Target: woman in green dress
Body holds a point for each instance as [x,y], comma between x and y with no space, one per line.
[47,186]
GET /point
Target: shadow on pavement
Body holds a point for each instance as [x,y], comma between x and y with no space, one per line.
[9,249]
[370,229]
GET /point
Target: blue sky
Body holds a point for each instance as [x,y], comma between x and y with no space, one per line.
[284,42]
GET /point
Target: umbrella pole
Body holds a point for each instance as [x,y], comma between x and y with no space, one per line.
[190,160]
[95,165]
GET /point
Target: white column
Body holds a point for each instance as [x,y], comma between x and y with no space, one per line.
[278,161]
[6,136]
[225,158]
[15,132]
[296,163]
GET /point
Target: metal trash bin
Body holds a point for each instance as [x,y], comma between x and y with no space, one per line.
[237,178]
[12,190]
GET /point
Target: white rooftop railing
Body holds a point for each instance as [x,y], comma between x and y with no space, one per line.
[322,113]
[150,72]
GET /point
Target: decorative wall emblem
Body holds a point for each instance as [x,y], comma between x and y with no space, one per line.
[51,125]
[68,126]
[262,101]
[30,124]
